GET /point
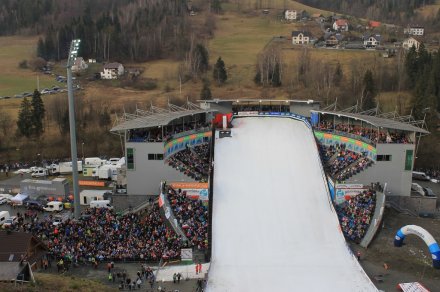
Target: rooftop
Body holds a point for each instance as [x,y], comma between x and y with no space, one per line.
[256,100]
[377,121]
[156,117]
[112,65]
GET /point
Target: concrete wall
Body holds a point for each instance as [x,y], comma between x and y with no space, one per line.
[147,174]
[391,172]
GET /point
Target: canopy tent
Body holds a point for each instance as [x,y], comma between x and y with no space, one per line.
[19,199]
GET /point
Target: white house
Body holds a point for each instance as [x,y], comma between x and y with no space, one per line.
[290,15]
[410,42]
[79,65]
[300,37]
[112,71]
[340,25]
[414,30]
[371,41]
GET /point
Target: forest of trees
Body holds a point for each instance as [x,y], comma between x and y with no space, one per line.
[135,30]
[390,11]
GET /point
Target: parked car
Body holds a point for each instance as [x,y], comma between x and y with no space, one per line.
[45,91]
[11,221]
[418,175]
[6,97]
[3,200]
[417,189]
[429,192]
[34,205]
[18,96]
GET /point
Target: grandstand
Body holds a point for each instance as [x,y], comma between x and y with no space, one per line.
[386,145]
[152,136]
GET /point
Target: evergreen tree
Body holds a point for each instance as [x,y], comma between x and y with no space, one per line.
[411,66]
[369,91]
[104,119]
[337,78]
[38,113]
[216,6]
[257,77]
[201,58]
[24,122]
[41,49]
[220,74]
[276,76]
[205,94]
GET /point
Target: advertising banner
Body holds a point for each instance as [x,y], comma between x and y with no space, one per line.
[350,143]
[91,183]
[345,191]
[194,190]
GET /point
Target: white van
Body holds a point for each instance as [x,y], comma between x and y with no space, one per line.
[54,206]
[4,215]
[93,161]
[101,204]
[40,172]
[417,175]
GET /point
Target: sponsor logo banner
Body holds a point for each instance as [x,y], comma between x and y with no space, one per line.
[91,183]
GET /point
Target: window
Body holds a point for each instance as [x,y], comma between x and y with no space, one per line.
[383,158]
[408,159]
[154,156]
[130,158]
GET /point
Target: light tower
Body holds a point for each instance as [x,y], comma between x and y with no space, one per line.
[73,53]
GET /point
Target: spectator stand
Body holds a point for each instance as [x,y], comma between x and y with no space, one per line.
[191,215]
[193,161]
[341,163]
[355,215]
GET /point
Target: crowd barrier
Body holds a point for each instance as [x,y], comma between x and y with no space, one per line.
[376,220]
[354,145]
[167,212]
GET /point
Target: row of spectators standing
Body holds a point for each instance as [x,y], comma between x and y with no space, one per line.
[355,215]
[192,161]
[371,134]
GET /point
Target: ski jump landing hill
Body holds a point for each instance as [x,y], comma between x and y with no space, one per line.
[273,224]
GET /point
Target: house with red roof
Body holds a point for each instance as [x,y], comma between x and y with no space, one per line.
[340,25]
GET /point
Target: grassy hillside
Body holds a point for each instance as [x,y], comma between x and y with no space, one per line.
[14,80]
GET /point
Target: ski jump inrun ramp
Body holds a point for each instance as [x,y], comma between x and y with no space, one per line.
[274,228]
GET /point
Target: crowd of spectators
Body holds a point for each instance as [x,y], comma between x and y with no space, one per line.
[192,161]
[101,235]
[326,152]
[342,163]
[372,134]
[355,215]
[192,215]
[161,135]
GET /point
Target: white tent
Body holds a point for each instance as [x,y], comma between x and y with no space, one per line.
[19,199]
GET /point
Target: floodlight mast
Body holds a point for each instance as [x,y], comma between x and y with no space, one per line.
[73,53]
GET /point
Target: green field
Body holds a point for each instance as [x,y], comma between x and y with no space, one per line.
[14,80]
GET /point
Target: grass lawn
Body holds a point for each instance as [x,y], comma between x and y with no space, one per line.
[14,80]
